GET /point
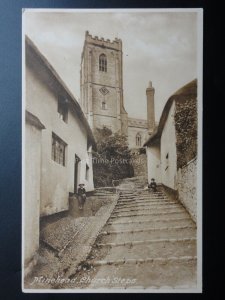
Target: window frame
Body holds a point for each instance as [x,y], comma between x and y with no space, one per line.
[102,63]
[104,106]
[58,150]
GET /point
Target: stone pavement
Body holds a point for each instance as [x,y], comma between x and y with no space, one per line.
[67,242]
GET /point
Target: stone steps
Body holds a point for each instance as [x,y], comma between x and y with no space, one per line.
[168,233]
[116,225]
[149,208]
[149,214]
[132,202]
[144,242]
[164,250]
[146,229]
[147,217]
[147,205]
[142,260]
[143,196]
[179,272]
[148,237]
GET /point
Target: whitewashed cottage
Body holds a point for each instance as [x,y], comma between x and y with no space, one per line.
[58,147]
[172,148]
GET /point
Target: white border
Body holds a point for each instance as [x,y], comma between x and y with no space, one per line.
[199,155]
[199,12]
[23,144]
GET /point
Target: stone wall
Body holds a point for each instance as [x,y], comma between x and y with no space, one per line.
[32,195]
[153,163]
[139,162]
[168,151]
[186,185]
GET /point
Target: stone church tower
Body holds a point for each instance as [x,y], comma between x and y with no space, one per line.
[101,83]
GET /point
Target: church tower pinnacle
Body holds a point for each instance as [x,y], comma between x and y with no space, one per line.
[150,92]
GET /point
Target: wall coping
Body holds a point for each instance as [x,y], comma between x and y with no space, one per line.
[190,161]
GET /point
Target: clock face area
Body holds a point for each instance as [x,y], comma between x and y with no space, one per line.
[104,91]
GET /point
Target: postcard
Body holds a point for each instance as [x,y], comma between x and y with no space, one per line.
[112,152]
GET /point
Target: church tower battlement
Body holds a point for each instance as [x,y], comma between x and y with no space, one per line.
[101,82]
[116,44]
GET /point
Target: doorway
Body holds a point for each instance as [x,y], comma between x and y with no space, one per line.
[76,172]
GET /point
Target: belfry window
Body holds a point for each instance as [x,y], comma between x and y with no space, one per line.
[102,63]
[138,140]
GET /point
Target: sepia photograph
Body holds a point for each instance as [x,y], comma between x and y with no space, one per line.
[112,150]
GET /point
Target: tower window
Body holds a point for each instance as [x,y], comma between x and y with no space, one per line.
[102,63]
[58,150]
[103,105]
[138,140]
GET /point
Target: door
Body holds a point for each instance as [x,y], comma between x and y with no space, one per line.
[76,172]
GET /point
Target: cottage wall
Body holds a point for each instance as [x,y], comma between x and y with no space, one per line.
[153,163]
[56,180]
[168,151]
[32,194]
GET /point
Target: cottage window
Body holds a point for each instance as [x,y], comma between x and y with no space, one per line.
[87,172]
[138,140]
[63,109]
[58,150]
[102,63]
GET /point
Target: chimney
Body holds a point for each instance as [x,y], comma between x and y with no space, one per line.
[150,91]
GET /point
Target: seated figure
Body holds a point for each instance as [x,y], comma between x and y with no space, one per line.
[152,185]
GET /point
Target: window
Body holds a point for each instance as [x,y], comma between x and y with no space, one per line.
[63,109]
[104,105]
[87,172]
[102,63]
[138,140]
[58,150]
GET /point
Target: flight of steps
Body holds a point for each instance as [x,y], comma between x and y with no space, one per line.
[149,238]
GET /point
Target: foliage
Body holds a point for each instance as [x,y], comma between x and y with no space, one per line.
[186,130]
[112,159]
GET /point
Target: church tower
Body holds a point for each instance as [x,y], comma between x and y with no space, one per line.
[101,83]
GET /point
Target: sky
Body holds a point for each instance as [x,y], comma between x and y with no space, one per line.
[157,46]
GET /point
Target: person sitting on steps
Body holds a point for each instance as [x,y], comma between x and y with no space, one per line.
[81,195]
[152,185]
